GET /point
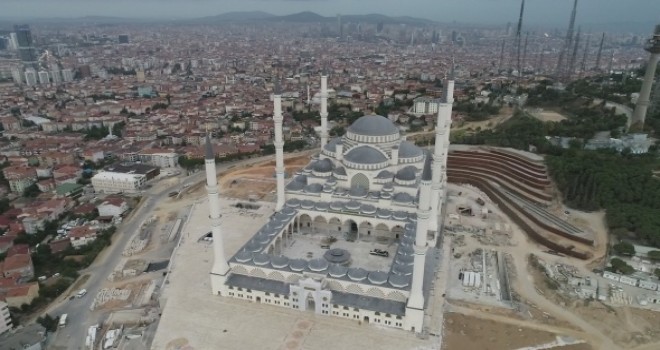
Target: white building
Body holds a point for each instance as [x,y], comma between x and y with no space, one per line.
[112,206]
[30,77]
[426,105]
[371,187]
[17,75]
[159,159]
[5,318]
[56,76]
[43,77]
[67,75]
[112,182]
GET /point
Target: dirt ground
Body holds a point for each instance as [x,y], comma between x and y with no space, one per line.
[628,327]
[258,181]
[467,332]
[505,114]
[549,116]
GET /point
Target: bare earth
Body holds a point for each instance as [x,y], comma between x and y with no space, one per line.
[467,332]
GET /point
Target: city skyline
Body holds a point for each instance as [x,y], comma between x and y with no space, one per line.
[489,11]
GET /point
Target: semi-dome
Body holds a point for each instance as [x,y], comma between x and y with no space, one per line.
[373,125]
[365,155]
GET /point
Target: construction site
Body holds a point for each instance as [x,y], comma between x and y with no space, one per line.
[501,208]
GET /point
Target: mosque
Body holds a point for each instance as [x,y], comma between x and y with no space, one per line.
[354,233]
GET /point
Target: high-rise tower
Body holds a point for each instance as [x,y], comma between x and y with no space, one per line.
[561,64]
[653,47]
[279,145]
[600,53]
[26,50]
[220,266]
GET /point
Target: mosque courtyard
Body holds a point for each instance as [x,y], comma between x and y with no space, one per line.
[193,318]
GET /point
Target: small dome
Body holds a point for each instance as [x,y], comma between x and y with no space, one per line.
[408,149]
[373,125]
[340,171]
[365,155]
[403,197]
[332,145]
[408,173]
[385,174]
[323,166]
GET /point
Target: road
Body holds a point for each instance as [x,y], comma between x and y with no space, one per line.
[619,108]
[80,318]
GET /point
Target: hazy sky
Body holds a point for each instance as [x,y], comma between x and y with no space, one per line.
[543,12]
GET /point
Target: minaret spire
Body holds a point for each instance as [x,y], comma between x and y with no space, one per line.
[442,126]
[220,266]
[324,107]
[279,144]
[415,305]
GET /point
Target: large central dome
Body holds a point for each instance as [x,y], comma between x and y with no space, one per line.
[373,125]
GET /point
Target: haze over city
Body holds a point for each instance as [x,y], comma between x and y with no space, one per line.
[538,13]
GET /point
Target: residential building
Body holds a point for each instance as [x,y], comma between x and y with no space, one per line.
[112,206]
[31,337]
[18,265]
[20,178]
[114,182]
[82,235]
[5,318]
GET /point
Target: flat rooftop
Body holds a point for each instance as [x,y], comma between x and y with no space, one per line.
[193,317]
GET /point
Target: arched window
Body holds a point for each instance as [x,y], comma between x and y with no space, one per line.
[360,180]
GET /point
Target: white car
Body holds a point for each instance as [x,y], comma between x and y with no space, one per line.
[81,293]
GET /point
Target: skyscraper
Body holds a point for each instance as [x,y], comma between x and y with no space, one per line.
[26,51]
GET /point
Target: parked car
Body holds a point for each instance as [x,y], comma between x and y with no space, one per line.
[380,252]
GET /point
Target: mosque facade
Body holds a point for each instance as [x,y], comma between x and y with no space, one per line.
[368,206]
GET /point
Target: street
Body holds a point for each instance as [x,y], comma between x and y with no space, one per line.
[80,317]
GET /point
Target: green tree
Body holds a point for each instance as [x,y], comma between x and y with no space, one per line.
[624,248]
[31,191]
[48,322]
[654,255]
[621,266]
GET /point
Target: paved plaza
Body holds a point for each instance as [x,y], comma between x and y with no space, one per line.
[192,318]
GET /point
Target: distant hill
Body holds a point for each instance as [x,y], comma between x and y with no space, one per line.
[236,17]
[309,17]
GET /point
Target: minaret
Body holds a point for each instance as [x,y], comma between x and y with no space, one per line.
[324,108]
[279,145]
[442,126]
[653,47]
[415,305]
[220,266]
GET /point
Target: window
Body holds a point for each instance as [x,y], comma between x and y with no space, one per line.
[377,313]
[398,317]
[388,315]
